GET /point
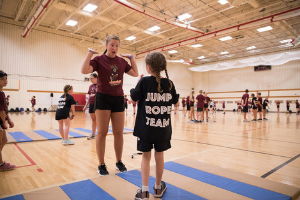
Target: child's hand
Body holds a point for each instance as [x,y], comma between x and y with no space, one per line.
[84,108]
[93,51]
[72,117]
[4,125]
[10,123]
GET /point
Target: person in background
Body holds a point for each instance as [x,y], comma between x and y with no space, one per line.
[7,101]
[265,104]
[91,102]
[33,103]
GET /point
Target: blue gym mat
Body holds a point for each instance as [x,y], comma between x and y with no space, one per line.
[85,190]
[17,197]
[20,137]
[75,135]
[244,189]
[47,135]
[84,130]
[172,192]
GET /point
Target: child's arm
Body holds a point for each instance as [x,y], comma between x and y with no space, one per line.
[3,116]
[87,102]
[10,123]
[135,92]
[73,111]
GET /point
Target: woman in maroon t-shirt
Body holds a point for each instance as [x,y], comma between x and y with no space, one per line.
[223,105]
[183,102]
[109,103]
[91,102]
[297,107]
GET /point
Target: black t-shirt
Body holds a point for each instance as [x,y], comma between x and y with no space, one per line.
[153,122]
[254,99]
[265,103]
[64,106]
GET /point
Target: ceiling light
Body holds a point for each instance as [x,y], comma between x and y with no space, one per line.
[224,52]
[267,28]
[223,2]
[154,28]
[149,32]
[173,51]
[225,38]
[130,38]
[184,16]
[201,57]
[197,45]
[252,47]
[90,7]
[71,23]
[285,41]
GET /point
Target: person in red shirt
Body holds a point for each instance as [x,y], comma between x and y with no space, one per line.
[206,103]
[239,105]
[33,102]
[200,106]
[297,107]
[91,102]
[4,166]
[183,102]
[110,96]
[259,105]
[244,101]
[191,102]
[223,105]
[188,108]
[278,106]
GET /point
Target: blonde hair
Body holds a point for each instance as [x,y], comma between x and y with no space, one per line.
[158,63]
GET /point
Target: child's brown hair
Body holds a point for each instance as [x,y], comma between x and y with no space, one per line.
[66,89]
[158,63]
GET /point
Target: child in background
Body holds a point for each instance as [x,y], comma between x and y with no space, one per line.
[206,103]
[254,108]
[223,105]
[239,104]
[297,107]
[33,102]
[265,104]
[4,166]
[287,107]
[278,106]
[65,103]
[183,102]
[153,122]
[191,103]
[91,102]
[125,103]
[259,105]
[7,101]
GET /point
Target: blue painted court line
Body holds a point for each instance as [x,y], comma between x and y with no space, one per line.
[171,193]
[126,129]
[17,197]
[238,187]
[85,190]
[20,137]
[47,135]
[75,135]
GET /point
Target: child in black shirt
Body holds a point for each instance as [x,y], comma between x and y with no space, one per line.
[153,123]
[65,103]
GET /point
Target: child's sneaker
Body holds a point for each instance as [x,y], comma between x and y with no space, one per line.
[92,136]
[102,171]
[68,142]
[141,195]
[120,166]
[7,167]
[160,192]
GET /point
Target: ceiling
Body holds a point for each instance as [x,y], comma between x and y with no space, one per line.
[208,18]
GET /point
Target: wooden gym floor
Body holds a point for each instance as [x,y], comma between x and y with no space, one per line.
[268,149]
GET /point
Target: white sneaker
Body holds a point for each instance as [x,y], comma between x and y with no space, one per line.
[68,142]
[92,136]
[245,120]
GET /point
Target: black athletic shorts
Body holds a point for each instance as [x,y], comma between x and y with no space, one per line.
[112,103]
[199,109]
[146,146]
[297,106]
[210,106]
[205,106]
[254,107]
[61,117]
[258,109]
[287,108]
[92,108]
[125,105]
[277,106]
[188,107]
[245,109]
[264,107]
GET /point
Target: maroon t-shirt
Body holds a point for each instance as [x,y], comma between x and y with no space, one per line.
[191,102]
[3,106]
[245,99]
[92,92]
[277,103]
[110,74]
[33,101]
[297,104]
[188,100]
[239,105]
[200,103]
[259,101]
[287,103]
[207,100]
[223,104]
[183,103]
